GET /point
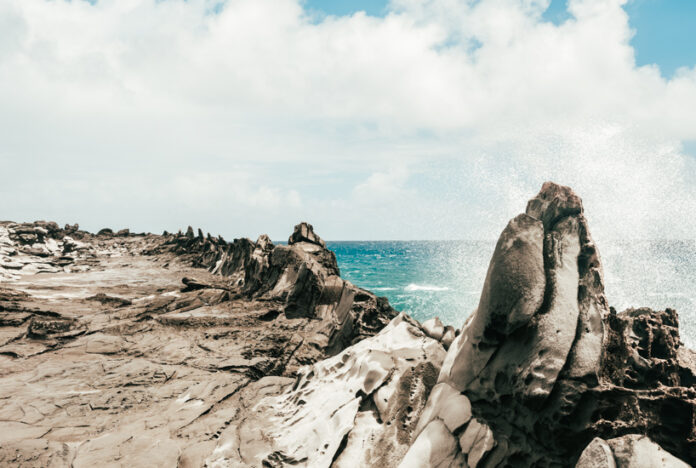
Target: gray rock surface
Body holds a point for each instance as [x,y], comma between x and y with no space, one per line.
[358,408]
[108,357]
[545,365]
[637,451]
[597,454]
[434,328]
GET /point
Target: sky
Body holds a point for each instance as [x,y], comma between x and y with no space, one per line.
[400,119]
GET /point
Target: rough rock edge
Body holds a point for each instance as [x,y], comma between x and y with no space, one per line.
[583,393]
[364,402]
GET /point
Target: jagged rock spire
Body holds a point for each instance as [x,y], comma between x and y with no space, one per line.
[541,305]
[546,367]
[539,320]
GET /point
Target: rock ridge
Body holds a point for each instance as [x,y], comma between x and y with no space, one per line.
[140,348]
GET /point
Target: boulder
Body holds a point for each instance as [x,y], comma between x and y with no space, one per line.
[434,447]
[476,441]
[434,328]
[68,245]
[448,405]
[41,233]
[448,337]
[70,229]
[597,454]
[637,451]
[28,239]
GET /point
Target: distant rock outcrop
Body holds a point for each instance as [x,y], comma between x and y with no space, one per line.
[301,279]
[304,232]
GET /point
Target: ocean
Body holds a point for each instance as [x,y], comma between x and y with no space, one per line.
[444,278]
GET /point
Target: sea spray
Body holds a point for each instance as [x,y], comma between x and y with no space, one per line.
[444,279]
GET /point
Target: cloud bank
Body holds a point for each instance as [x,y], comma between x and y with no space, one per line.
[438,120]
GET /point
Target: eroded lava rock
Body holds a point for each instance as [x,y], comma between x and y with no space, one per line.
[131,348]
[547,367]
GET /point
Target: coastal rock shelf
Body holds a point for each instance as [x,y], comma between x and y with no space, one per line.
[114,348]
[187,350]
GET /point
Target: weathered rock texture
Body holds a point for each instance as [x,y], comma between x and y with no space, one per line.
[546,366]
[358,408]
[125,351]
[629,451]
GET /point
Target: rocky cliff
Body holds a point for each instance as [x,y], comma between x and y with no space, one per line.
[188,350]
[548,368]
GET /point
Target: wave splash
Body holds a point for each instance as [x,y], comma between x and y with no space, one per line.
[424,287]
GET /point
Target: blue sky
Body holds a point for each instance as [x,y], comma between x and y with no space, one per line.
[347,7]
[665,29]
[665,32]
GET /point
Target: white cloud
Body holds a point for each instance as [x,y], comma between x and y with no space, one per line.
[383,187]
[183,101]
[232,189]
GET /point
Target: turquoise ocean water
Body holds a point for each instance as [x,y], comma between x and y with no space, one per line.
[444,278]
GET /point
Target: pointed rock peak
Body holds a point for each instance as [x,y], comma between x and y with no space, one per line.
[553,203]
[304,232]
[189,232]
[264,242]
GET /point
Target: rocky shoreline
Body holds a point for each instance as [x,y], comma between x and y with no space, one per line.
[187,350]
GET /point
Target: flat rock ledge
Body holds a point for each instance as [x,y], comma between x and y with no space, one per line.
[131,349]
[188,350]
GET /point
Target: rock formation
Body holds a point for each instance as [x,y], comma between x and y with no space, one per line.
[125,347]
[359,408]
[546,366]
[188,350]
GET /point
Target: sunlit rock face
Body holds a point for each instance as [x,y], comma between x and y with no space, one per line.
[629,451]
[141,350]
[358,408]
[301,280]
[543,365]
[530,310]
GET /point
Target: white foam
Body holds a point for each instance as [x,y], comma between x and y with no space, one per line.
[425,287]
